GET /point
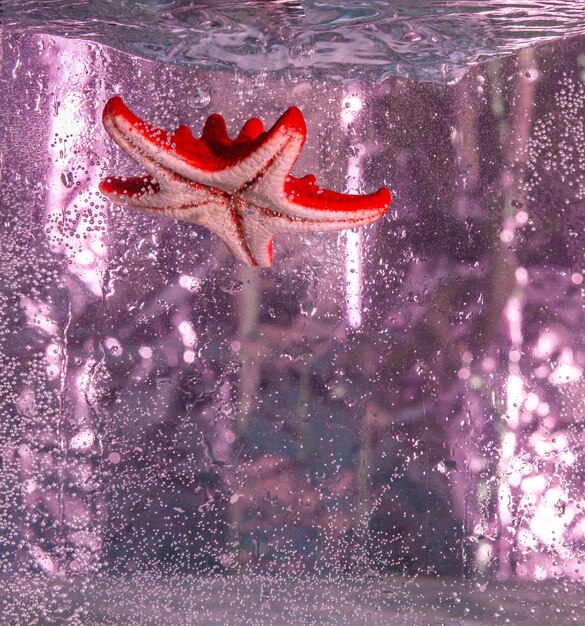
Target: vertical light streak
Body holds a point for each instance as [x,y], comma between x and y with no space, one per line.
[515,395]
[352,104]
[71,168]
[70,183]
[515,384]
[514,135]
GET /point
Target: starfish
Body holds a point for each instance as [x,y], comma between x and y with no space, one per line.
[240,189]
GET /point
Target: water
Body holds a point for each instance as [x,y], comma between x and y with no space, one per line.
[386,427]
[433,40]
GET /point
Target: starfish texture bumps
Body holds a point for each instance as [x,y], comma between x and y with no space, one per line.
[240,189]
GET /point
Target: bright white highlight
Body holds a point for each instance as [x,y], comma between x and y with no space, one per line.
[187,333]
[566,371]
[353,248]
[351,106]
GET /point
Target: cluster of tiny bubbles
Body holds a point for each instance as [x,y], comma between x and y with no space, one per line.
[564,130]
[555,181]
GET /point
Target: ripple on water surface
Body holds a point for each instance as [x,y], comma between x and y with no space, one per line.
[434,40]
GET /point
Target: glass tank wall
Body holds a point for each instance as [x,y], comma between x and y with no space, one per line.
[385,427]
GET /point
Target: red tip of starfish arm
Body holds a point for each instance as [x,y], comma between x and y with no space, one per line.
[306,193]
[116,112]
[116,107]
[130,187]
[292,120]
[214,151]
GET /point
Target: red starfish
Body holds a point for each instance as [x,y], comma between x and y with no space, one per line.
[240,189]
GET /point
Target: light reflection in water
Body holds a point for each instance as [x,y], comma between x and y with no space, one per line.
[351,106]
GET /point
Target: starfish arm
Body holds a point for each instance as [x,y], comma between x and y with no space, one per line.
[261,225]
[280,145]
[122,131]
[224,221]
[212,160]
[283,224]
[258,232]
[146,193]
[302,198]
[186,201]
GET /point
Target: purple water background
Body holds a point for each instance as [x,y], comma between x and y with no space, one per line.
[407,400]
